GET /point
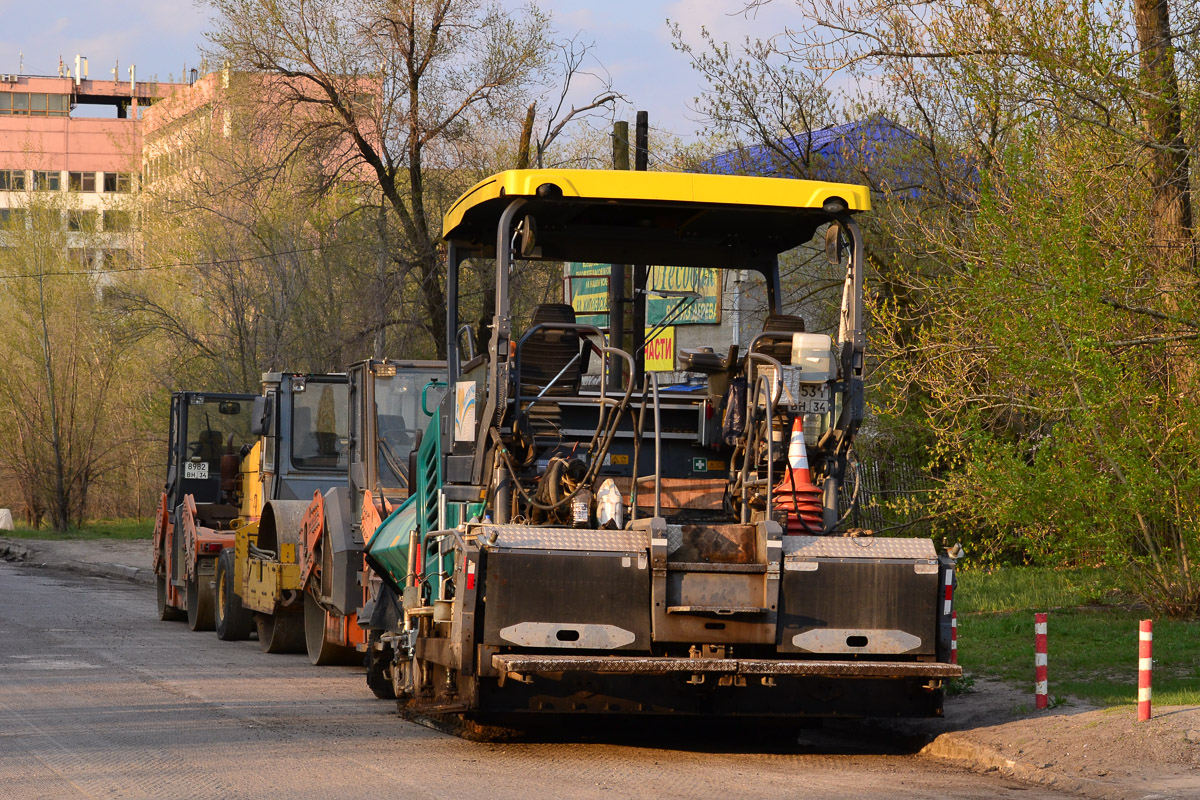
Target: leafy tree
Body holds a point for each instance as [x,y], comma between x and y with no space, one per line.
[415,92]
[70,381]
[1035,313]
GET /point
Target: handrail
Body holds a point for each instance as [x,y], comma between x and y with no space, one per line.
[637,449]
[771,361]
[425,395]
[761,382]
[657,447]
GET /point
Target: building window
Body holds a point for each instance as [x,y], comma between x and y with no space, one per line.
[12,180]
[81,181]
[80,257]
[46,180]
[78,220]
[117,221]
[11,219]
[37,104]
[116,182]
[116,259]
[47,219]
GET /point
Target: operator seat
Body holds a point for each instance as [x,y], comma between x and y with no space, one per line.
[211,446]
[547,352]
[780,349]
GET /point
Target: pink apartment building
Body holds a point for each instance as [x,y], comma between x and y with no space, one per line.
[46,145]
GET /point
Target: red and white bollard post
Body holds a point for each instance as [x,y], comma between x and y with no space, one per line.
[948,593]
[1145,662]
[1041,687]
[953,637]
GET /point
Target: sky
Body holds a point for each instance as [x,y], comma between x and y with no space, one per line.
[631,37]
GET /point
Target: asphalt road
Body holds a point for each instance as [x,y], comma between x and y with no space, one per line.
[99,699]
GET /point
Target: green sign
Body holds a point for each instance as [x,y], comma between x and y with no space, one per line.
[589,295]
[675,310]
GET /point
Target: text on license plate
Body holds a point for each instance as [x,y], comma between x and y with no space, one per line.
[195,470]
[812,398]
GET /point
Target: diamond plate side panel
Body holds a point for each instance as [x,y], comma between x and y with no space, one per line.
[519,537]
[802,548]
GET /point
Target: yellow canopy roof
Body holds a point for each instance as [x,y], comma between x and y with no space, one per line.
[665,218]
[656,187]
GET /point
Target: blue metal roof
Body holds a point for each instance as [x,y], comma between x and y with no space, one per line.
[824,154]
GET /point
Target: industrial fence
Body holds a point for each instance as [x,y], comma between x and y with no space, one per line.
[891,497]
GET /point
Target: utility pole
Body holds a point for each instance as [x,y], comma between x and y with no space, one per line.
[616,278]
[641,160]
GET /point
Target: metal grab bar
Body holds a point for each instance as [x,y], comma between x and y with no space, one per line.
[760,383]
[559,326]
[637,447]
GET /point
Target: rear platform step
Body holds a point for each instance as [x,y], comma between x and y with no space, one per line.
[651,665]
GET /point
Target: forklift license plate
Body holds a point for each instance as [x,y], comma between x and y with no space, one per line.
[195,471]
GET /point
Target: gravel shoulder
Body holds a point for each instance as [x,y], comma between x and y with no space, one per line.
[1097,753]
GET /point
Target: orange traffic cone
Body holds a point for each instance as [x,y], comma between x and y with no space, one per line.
[796,494]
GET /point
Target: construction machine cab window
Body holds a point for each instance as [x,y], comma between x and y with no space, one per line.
[215,427]
[398,398]
[319,425]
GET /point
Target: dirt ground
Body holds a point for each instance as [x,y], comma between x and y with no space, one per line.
[1096,752]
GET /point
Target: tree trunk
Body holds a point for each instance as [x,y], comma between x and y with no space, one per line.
[60,510]
[1169,166]
[381,295]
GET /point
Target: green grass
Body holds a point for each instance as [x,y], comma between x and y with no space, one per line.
[123,529]
[1035,588]
[1092,635]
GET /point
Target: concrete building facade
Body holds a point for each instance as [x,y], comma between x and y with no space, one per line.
[75,172]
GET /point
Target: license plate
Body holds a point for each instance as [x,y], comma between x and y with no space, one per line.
[811,398]
[195,470]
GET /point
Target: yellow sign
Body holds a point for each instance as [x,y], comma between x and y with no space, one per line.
[660,351]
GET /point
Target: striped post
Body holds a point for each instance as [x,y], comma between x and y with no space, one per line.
[948,595]
[1145,662]
[1041,683]
[953,637]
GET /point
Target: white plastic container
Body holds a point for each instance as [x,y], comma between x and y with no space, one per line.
[812,353]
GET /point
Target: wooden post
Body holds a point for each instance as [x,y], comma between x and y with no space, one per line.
[641,161]
[621,145]
[616,278]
